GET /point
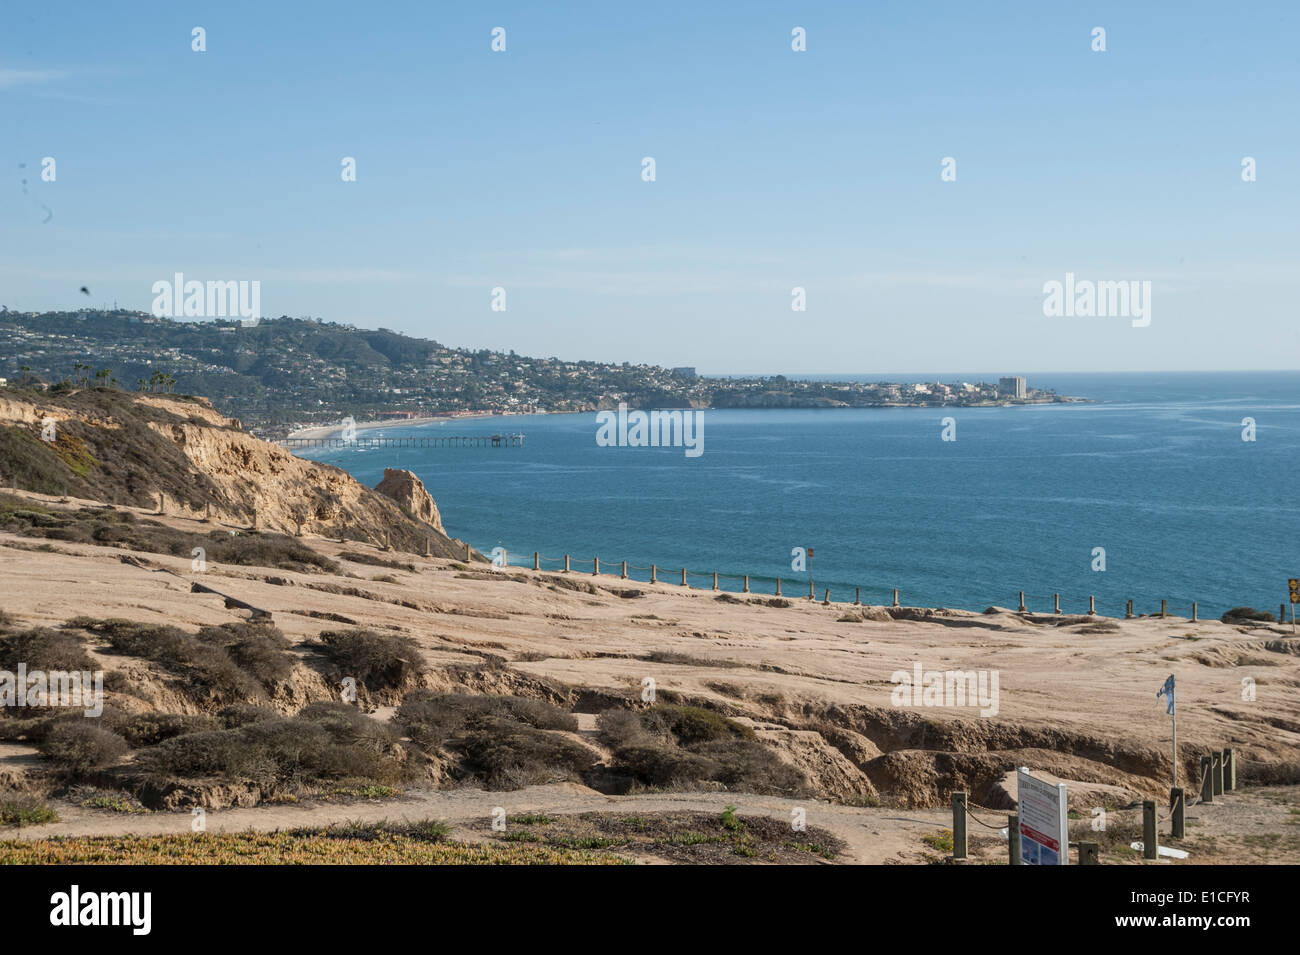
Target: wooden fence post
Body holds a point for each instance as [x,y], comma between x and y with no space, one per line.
[653,574]
[1128,609]
[778,586]
[746,590]
[595,566]
[1013,839]
[537,561]
[624,574]
[566,563]
[1207,781]
[1178,819]
[857,596]
[958,825]
[715,580]
[1088,853]
[895,596]
[1150,844]
[811,594]
[1092,606]
[684,584]
[1022,602]
[1216,771]
[1193,611]
[1056,603]
[1163,608]
[1229,770]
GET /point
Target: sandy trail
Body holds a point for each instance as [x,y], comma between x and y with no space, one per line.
[873,835]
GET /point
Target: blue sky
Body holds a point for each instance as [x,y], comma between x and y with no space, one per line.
[775,169]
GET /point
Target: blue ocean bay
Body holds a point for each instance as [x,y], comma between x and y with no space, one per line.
[1154,471]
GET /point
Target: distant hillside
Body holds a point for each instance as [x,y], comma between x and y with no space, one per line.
[296,371]
[287,372]
[122,448]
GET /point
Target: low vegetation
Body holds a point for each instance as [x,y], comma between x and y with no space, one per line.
[353,844]
[377,661]
[687,747]
[109,526]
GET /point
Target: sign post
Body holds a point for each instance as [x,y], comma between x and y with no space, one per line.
[1167,691]
[1044,828]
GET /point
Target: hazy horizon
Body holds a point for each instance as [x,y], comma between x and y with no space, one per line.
[824,169]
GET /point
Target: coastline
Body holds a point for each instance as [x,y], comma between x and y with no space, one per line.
[320,432]
[317,432]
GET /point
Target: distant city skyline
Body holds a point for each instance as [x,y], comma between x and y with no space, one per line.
[821,177]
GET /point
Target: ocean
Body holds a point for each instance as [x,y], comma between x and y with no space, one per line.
[1155,473]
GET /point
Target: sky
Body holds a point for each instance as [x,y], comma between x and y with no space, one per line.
[775,169]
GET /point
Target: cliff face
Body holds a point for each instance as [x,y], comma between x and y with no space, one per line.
[126,448]
[409,493]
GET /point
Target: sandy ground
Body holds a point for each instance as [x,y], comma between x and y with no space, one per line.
[1066,683]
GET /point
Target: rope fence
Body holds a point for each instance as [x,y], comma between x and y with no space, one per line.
[1218,775]
[1030,604]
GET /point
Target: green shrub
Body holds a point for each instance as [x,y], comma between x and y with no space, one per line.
[211,674]
[1247,613]
[504,754]
[666,767]
[25,810]
[241,714]
[148,729]
[79,747]
[43,649]
[430,719]
[277,752]
[374,660]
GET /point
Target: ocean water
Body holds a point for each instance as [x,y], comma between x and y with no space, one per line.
[1155,472]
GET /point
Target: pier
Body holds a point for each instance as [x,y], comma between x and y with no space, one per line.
[515,440]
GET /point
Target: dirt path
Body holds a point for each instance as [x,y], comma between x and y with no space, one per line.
[874,836]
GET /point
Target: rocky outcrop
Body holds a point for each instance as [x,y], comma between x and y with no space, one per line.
[124,448]
[410,494]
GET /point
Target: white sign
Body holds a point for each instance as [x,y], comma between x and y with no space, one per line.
[1044,833]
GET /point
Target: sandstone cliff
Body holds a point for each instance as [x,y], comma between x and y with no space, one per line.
[125,448]
[410,494]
